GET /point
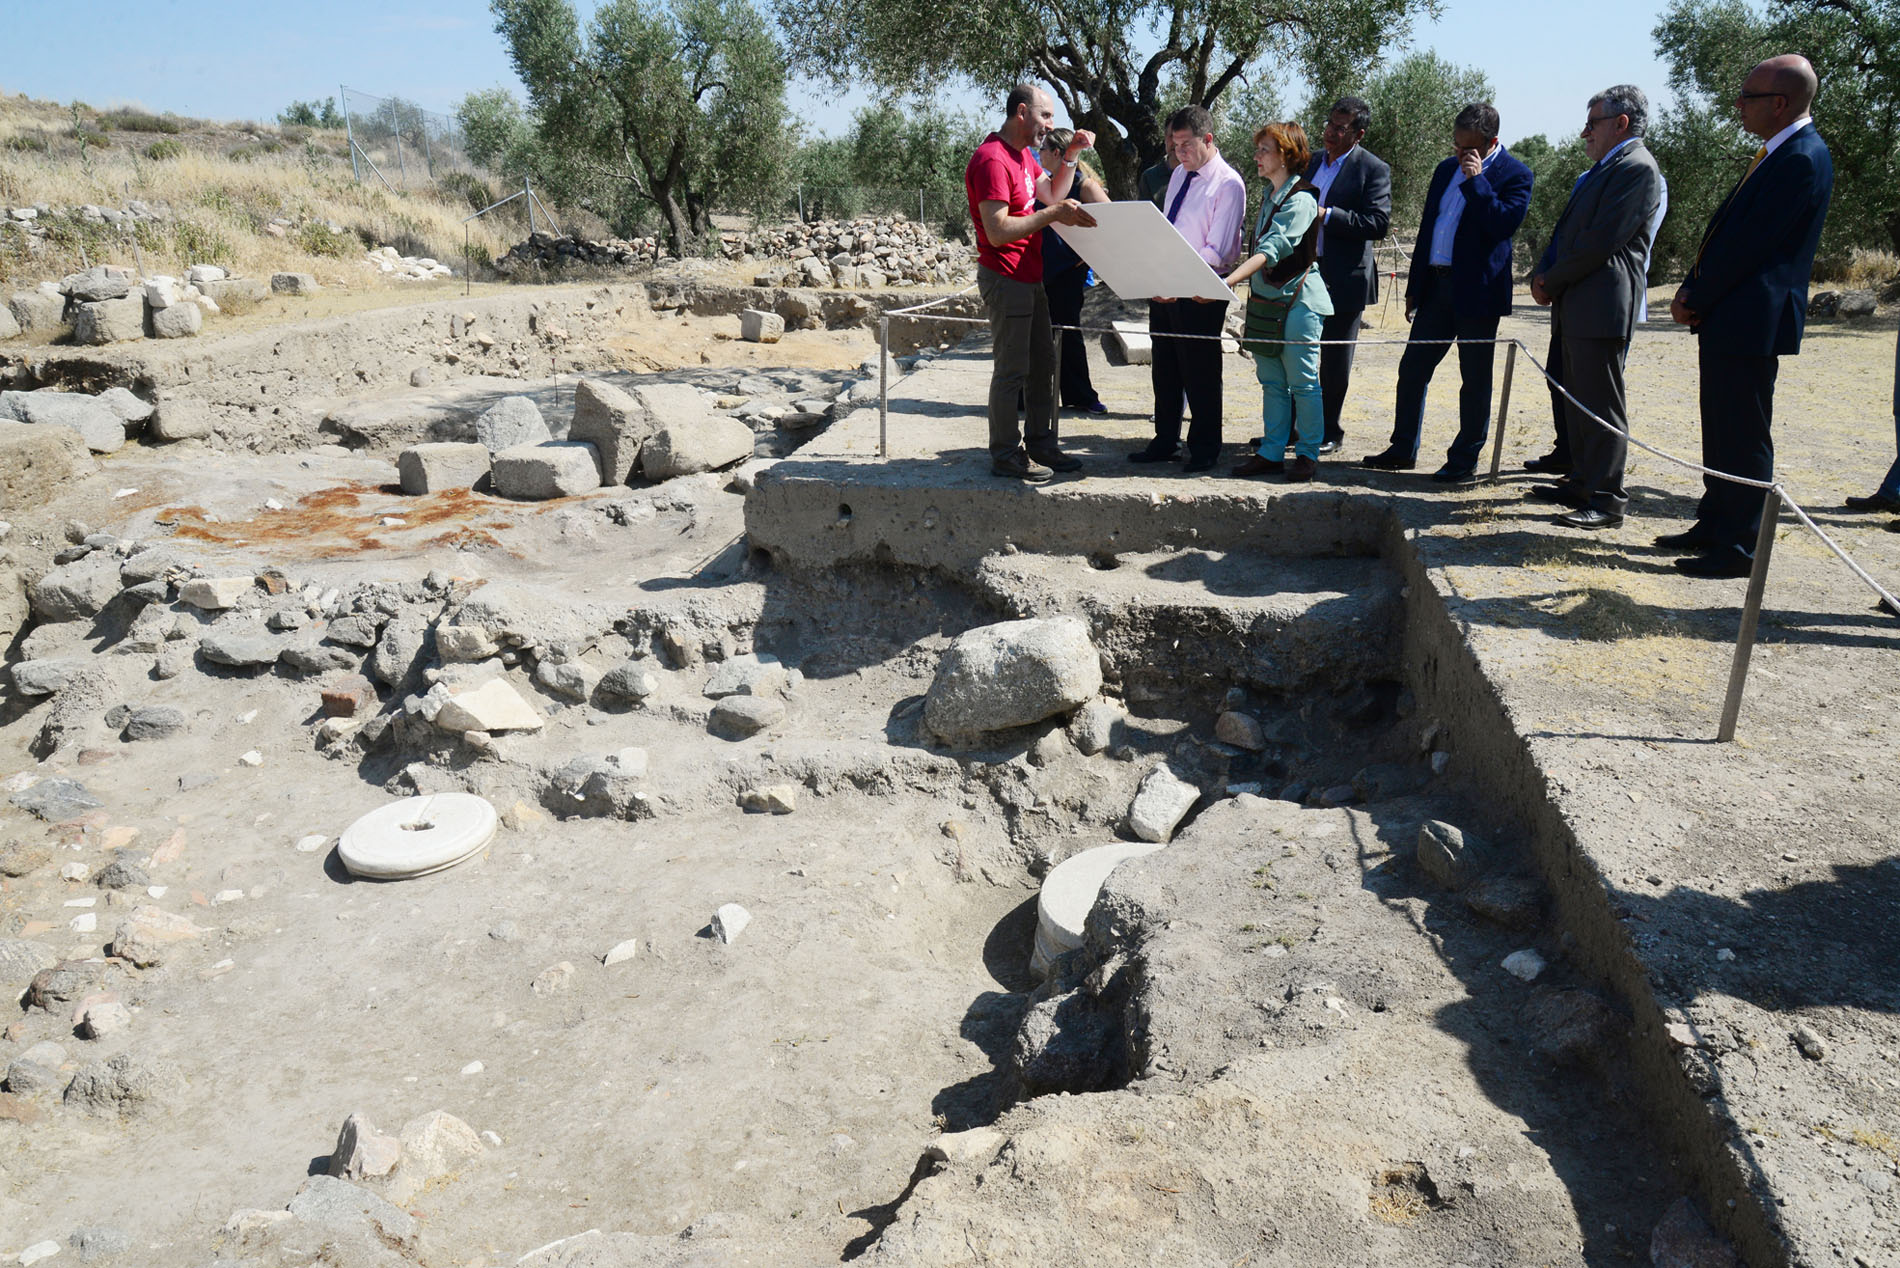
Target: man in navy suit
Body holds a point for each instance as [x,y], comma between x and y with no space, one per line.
[1459,285]
[1746,298]
[1355,194]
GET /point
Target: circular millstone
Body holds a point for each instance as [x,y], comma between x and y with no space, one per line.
[417,835]
[1069,893]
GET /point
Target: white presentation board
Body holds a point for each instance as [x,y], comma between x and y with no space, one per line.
[1140,255]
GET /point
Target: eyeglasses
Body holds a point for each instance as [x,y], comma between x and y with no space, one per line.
[1590,123]
[1756,96]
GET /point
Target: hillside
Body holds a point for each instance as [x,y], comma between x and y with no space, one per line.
[162,192]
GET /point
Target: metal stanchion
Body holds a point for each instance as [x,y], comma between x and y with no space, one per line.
[883,387]
[1504,408]
[1751,614]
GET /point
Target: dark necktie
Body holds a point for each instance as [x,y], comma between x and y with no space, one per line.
[1174,208]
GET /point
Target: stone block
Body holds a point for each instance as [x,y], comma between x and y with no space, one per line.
[493,706]
[36,311]
[229,291]
[129,407]
[161,293]
[109,321]
[758,326]
[615,423]
[77,591]
[740,717]
[102,430]
[431,468]
[512,421]
[293,284]
[177,419]
[713,443]
[96,284]
[215,593]
[200,274]
[9,325]
[1133,341]
[557,469]
[180,321]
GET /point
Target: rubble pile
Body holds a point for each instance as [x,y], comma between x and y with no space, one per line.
[849,254]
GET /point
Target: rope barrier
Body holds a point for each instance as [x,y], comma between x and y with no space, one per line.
[1776,494]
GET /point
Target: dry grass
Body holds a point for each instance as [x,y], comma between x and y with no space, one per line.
[1869,269]
[226,186]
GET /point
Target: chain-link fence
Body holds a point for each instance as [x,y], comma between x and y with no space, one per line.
[398,142]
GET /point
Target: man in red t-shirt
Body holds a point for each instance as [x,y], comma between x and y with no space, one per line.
[1004,182]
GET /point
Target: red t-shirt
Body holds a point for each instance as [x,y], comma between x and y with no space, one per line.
[1000,173]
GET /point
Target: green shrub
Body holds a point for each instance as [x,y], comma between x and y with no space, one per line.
[159,151]
[460,189]
[252,152]
[138,121]
[87,137]
[315,238]
[200,244]
[22,143]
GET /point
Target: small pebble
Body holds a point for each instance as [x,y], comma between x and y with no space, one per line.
[226,896]
[252,758]
[38,1251]
[1725,955]
[494,1141]
[312,843]
[74,872]
[622,952]
[473,1067]
[84,924]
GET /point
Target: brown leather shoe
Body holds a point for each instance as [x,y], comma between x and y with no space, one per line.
[1258,466]
[1301,470]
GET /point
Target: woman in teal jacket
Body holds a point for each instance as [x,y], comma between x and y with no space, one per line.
[1286,244]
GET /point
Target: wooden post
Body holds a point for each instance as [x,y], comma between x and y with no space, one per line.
[883,387]
[1504,408]
[1751,615]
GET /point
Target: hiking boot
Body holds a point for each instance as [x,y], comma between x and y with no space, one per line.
[1020,466]
[1055,459]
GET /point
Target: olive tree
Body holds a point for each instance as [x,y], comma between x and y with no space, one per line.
[680,103]
[1111,63]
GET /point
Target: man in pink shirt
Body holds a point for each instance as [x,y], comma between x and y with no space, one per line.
[1003,182]
[1206,201]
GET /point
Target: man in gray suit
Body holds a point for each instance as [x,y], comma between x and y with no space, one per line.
[1593,277]
[1355,194]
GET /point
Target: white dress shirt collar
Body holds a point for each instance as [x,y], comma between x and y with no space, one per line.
[1774,142]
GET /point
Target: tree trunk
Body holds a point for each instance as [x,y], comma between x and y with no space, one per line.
[679,229]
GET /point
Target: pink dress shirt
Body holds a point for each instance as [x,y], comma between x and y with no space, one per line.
[1212,213]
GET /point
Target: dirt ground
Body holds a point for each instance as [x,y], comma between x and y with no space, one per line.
[772,1097]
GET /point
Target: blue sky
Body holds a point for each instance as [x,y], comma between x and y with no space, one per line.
[216,59]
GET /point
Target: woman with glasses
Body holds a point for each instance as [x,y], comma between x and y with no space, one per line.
[1065,277]
[1285,284]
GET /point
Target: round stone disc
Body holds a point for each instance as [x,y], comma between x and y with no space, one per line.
[417,835]
[1068,894]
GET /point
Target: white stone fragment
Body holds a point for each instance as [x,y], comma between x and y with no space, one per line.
[1160,804]
[214,593]
[622,952]
[1525,964]
[729,922]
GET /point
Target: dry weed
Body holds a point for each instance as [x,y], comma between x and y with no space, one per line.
[223,189]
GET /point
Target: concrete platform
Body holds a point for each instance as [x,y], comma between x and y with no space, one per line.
[1727,895]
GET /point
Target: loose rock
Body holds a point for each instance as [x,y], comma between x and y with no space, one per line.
[729,922]
[740,717]
[1009,675]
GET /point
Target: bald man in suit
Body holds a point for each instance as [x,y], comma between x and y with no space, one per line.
[1746,298]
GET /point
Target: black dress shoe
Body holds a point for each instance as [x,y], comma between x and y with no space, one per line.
[1689,539]
[1449,474]
[1590,517]
[1874,502]
[1894,527]
[1550,464]
[1152,454]
[1194,466]
[1717,563]
[1562,494]
[1388,460]
[1329,446]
